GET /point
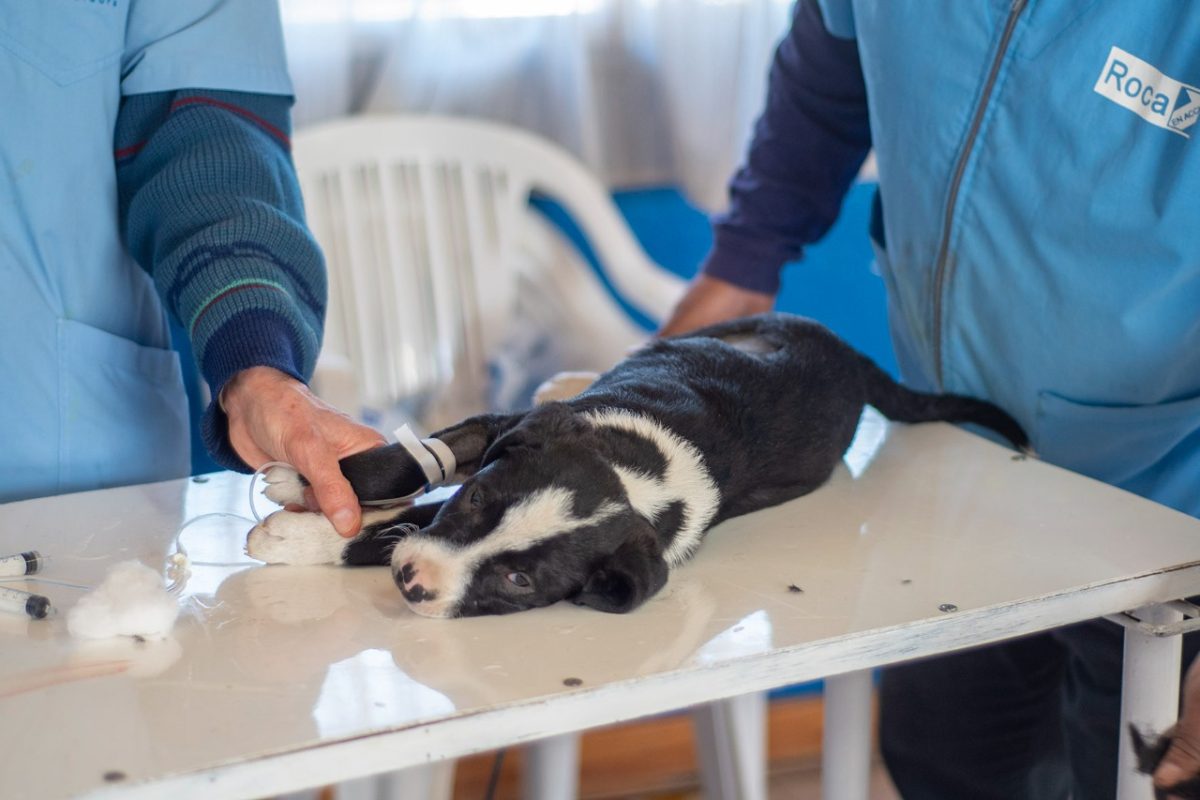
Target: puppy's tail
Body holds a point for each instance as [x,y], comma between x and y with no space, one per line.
[902,404]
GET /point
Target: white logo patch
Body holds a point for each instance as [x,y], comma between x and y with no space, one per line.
[1162,101]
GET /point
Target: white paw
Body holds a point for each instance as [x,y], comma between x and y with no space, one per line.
[563,386]
[283,486]
[295,537]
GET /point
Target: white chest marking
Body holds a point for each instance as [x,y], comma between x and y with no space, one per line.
[685,480]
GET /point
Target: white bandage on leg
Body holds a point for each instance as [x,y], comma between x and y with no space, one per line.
[434,457]
[445,458]
[429,465]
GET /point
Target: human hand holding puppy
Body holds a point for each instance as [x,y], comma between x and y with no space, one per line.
[274,417]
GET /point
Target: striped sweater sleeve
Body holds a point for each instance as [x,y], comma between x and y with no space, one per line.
[210,207]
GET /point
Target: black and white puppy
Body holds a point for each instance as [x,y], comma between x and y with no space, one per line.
[596,498]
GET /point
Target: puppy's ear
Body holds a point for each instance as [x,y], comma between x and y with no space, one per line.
[471,438]
[540,428]
[621,582]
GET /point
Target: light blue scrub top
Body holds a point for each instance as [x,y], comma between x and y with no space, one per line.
[92,393]
[1070,293]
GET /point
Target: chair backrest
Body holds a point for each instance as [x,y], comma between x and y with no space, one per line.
[436,259]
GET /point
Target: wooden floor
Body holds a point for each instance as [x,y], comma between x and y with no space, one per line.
[655,759]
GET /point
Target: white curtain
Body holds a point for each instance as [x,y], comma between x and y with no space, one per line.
[644,91]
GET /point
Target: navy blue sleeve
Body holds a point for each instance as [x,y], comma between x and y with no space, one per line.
[807,147]
[210,206]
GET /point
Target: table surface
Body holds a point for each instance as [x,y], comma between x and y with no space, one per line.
[280,677]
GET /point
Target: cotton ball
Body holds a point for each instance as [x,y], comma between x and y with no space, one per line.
[131,601]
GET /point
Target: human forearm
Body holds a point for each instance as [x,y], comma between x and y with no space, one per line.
[808,145]
[210,207]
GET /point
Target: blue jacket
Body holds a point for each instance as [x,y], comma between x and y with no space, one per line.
[1038,214]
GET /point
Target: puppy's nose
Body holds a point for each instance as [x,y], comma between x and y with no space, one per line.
[413,592]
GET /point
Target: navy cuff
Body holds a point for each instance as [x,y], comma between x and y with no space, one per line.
[744,261]
[249,339]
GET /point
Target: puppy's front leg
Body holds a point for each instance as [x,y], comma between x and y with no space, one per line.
[306,537]
[284,486]
[378,538]
[296,537]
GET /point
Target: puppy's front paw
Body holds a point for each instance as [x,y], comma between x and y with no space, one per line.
[284,486]
[290,537]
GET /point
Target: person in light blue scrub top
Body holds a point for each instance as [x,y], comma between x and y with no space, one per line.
[1035,225]
[146,171]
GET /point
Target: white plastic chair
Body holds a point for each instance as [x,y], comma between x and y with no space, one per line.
[436,259]
[438,270]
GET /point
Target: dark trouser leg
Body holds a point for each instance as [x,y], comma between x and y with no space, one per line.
[1034,718]
[1091,706]
[979,725]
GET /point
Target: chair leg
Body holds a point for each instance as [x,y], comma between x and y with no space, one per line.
[731,744]
[846,751]
[551,770]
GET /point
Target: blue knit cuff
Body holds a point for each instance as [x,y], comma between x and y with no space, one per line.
[253,338]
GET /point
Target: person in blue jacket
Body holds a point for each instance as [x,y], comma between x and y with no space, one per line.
[1035,226]
[145,151]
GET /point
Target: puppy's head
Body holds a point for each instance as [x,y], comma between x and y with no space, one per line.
[542,518]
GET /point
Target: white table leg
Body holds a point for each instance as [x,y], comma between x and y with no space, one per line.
[846,749]
[731,747]
[1150,692]
[551,769]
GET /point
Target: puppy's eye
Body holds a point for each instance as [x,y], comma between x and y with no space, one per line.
[519,579]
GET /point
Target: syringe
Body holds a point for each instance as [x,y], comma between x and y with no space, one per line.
[34,605]
[20,564]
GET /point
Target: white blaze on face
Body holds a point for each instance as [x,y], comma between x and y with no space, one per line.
[446,569]
[685,480]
